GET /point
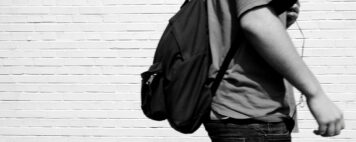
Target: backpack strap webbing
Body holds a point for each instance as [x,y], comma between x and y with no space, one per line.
[223,68]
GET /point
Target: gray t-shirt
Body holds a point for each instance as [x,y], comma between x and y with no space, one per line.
[251,88]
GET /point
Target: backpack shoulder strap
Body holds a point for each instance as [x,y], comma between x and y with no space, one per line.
[223,69]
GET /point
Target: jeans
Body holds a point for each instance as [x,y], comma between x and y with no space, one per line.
[248,131]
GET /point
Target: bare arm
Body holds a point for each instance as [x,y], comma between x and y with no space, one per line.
[270,39]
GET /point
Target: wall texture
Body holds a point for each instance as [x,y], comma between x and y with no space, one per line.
[69,69]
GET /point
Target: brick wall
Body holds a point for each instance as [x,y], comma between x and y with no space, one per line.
[69,69]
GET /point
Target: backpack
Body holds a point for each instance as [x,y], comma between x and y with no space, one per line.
[176,87]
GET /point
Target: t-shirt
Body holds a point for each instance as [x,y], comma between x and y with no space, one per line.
[250,88]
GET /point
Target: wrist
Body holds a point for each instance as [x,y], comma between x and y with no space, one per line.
[318,92]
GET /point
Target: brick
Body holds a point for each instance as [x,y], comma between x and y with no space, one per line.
[330,52]
[71,3]
[338,79]
[49,2]
[35,3]
[60,10]
[5,2]
[5,36]
[20,2]
[135,9]
[139,18]
[34,10]
[95,2]
[340,61]
[12,19]
[63,19]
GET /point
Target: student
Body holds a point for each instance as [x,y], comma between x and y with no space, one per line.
[251,103]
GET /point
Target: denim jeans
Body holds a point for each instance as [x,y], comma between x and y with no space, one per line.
[222,131]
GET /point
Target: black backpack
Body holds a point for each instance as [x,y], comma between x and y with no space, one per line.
[176,87]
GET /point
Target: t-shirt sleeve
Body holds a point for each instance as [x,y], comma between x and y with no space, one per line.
[279,6]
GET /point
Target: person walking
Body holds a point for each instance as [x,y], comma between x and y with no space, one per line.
[253,102]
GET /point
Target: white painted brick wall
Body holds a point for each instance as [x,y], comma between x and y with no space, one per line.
[69,70]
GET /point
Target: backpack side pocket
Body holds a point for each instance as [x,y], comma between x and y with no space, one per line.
[152,96]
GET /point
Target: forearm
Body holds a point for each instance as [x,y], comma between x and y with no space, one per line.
[270,39]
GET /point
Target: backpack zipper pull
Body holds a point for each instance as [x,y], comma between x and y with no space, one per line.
[150,80]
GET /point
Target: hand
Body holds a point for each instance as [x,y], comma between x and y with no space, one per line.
[327,114]
[292,14]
